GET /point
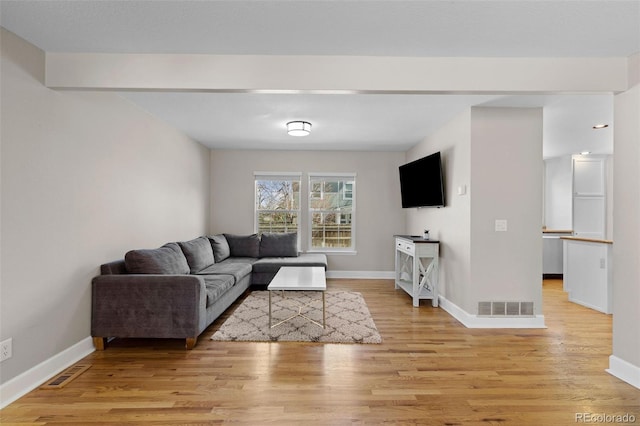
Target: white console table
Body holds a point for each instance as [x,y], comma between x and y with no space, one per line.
[417,267]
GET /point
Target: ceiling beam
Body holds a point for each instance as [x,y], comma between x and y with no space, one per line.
[333,74]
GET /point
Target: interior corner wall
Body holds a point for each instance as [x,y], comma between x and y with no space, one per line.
[378,207]
[85,177]
[626,228]
[450,224]
[506,183]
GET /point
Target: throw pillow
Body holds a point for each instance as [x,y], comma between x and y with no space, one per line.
[279,245]
[198,252]
[167,259]
[220,247]
[243,245]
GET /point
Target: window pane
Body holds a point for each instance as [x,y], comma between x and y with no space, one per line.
[277,195]
[333,195]
[331,203]
[277,205]
[330,230]
[316,191]
[347,191]
[277,222]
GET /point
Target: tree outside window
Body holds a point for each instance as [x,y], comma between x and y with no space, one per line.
[277,203]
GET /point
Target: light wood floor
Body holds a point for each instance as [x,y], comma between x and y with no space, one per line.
[428,370]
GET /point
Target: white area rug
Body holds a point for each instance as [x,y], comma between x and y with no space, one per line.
[347,319]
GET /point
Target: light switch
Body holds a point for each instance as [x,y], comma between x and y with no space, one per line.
[501,225]
[462,189]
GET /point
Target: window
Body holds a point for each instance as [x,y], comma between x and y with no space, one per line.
[332,211]
[277,198]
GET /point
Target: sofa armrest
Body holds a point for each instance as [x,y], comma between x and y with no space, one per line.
[158,306]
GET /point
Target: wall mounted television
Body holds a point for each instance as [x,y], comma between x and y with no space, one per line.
[422,182]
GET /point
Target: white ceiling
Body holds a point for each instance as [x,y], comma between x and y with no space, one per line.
[477,28]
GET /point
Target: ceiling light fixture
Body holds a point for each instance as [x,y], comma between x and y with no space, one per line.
[600,126]
[298,128]
[585,153]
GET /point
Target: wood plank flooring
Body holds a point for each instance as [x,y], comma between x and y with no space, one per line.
[429,370]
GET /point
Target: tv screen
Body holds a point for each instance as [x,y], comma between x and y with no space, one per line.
[421,182]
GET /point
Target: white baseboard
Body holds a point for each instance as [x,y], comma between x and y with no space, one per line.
[624,370]
[372,275]
[34,377]
[475,321]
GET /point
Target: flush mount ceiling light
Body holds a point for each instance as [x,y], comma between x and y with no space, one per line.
[600,126]
[298,128]
[585,152]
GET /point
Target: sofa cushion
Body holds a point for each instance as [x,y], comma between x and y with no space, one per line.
[220,247]
[198,252]
[273,264]
[243,245]
[237,270]
[215,286]
[167,259]
[279,244]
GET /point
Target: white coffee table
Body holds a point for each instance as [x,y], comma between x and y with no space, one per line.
[299,278]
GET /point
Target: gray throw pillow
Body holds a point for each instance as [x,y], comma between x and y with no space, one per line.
[167,259]
[220,247]
[198,252]
[279,245]
[243,245]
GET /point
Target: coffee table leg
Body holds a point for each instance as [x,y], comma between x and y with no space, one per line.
[269,309]
[324,315]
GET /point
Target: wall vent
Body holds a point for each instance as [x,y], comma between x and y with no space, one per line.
[505,309]
[62,379]
[484,308]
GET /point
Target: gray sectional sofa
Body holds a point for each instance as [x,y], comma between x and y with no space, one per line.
[179,289]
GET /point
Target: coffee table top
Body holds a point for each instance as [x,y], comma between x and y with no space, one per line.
[299,278]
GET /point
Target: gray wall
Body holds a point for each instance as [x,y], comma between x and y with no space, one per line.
[451,224]
[626,228]
[85,177]
[378,209]
[495,154]
[506,174]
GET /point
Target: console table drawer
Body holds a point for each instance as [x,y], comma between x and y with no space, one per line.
[405,247]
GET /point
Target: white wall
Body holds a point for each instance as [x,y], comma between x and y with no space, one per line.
[451,224]
[378,208]
[85,177]
[506,177]
[558,193]
[625,362]
[610,199]
[496,153]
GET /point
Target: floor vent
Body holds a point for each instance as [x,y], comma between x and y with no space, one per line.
[64,378]
[505,309]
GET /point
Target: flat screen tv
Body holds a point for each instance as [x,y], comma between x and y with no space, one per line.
[421,182]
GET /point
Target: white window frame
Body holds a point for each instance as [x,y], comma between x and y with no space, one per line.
[341,176]
[290,176]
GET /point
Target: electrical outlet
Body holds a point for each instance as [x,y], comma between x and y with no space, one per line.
[5,350]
